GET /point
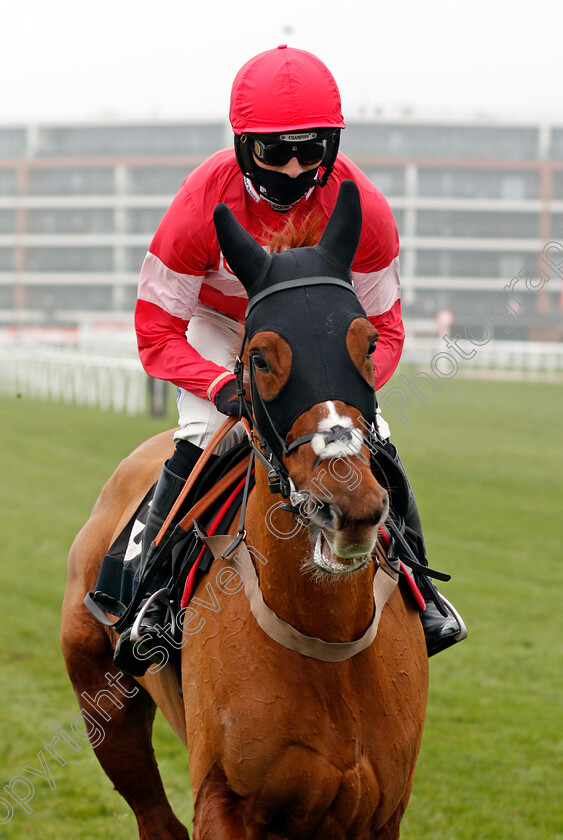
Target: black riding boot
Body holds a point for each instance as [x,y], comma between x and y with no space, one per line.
[442,625]
[135,655]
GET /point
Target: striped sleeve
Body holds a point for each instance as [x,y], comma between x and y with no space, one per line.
[391,337]
[169,287]
[378,290]
[173,291]
[375,274]
[166,354]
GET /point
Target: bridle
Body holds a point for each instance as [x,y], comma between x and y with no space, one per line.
[265,442]
[268,445]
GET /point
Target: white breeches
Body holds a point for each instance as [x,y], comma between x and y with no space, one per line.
[217,338]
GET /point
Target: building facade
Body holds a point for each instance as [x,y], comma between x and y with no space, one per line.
[479,208]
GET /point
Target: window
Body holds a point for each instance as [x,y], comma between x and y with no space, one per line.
[7,221]
[7,182]
[478,183]
[71,181]
[7,262]
[12,141]
[450,141]
[68,259]
[155,180]
[443,263]
[76,220]
[6,297]
[513,187]
[400,221]
[388,181]
[143,219]
[129,298]
[134,258]
[468,307]
[556,230]
[49,298]
[558,186]
[203,138]
[557,143]
[461,223]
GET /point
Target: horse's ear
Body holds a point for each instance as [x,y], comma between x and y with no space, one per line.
[244,255]
[342,233]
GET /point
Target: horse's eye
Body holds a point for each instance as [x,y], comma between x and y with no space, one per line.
[259,362]
[371,348]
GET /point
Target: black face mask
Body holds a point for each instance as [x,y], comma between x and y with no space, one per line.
[314,320]
[280,189]
[305,295]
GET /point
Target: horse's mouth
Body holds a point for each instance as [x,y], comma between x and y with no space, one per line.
[325,560]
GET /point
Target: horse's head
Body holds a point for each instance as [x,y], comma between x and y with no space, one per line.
[310,350]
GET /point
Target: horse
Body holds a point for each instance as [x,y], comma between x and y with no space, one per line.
[317,739]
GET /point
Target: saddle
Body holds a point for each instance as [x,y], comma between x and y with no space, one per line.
[208,508]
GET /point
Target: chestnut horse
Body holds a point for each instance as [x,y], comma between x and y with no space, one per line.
[281,744]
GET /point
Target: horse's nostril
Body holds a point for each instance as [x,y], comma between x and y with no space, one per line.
[340,519]
[323,514]
[328,515]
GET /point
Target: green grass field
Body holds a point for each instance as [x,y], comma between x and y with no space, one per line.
[485,459]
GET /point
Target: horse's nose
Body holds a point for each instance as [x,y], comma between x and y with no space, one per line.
[351,530]
[367,513]
[340,514]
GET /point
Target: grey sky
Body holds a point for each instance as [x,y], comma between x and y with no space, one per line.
[72,60]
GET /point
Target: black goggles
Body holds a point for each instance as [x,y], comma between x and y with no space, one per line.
[280,152]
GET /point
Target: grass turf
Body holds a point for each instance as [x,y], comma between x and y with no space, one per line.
[485,459]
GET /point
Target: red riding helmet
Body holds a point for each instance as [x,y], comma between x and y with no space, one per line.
[285,90]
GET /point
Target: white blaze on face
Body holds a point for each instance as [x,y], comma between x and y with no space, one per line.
[336,436]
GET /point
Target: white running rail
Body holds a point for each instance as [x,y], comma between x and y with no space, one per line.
[106,381]
[529,358]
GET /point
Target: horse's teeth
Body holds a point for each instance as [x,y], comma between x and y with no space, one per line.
[328,563]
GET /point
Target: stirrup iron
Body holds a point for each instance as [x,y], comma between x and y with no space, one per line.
[462,628]
[162,595]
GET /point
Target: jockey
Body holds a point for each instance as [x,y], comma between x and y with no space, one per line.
[285,112]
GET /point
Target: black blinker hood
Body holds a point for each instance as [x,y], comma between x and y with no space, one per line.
[304,295]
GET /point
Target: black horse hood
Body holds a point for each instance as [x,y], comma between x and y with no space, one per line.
[306,296]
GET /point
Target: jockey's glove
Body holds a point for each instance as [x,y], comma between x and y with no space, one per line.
[228,402]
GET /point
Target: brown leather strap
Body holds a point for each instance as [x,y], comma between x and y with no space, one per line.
[223,484]
[221,432]
[384,582]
